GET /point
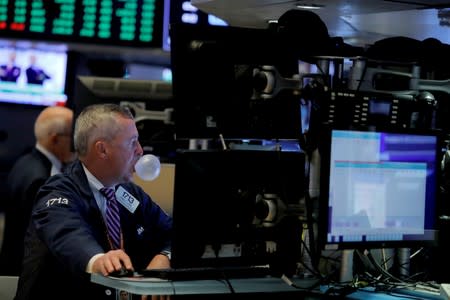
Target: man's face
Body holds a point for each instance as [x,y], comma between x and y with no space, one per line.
[123,295]
[124,151]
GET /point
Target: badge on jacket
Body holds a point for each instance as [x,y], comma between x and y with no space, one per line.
[126,199]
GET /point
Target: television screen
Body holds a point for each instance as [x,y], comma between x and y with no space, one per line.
[380,188]
[32,74]
[250,218]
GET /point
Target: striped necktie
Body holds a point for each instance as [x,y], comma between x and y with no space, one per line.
[112,217]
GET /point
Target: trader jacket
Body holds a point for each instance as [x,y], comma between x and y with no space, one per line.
[67,229]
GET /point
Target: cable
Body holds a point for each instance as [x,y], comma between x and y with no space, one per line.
[311,288]
[415,253]
[230,286]
[227,281]
[288,281]
[380,268]
[222,141]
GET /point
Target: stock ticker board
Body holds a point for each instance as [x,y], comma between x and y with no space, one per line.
[109,22]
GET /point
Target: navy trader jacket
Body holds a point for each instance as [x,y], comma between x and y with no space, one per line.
[67,229]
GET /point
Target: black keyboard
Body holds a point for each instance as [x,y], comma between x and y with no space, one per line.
[207,273]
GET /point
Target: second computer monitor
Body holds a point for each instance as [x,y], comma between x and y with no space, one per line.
[380,188]
[237,208]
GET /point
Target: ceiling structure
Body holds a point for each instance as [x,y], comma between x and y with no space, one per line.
[358,22]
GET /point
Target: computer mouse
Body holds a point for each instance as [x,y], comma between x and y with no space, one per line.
[123,272]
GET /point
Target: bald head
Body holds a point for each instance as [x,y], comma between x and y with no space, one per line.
[52,120]
[53,130]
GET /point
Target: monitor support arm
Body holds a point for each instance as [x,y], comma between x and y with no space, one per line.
[141,114]
[268,82]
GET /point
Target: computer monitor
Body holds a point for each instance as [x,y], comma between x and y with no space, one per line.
[379,188]
[149,100]
[229,81]
[237,208]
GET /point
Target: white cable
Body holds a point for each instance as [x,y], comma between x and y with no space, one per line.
[287,280]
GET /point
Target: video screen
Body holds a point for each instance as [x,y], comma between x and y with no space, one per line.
[237,220]
[136,23]
[382,187]
[32,74]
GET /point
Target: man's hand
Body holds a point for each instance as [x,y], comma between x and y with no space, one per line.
[112,261]
[159,261]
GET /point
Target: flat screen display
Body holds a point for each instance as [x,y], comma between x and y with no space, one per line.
[218,84]
[380,188]
[32,74]
[134,23]
[237,208]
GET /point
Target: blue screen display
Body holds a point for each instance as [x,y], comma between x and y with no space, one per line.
[382,187]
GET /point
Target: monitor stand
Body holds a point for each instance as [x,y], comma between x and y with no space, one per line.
[403,261]
[346,271]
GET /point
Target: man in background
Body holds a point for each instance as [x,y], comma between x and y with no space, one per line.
[35,74]
[53,132]
[10,71]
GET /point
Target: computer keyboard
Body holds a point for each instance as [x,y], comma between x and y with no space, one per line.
[205,273]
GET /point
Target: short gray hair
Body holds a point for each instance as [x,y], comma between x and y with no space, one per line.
[97,121]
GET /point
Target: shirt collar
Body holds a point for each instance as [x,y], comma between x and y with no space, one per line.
[94,183]
[56,163]
[95,186]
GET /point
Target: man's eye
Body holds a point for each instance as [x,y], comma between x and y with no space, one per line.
[134,143]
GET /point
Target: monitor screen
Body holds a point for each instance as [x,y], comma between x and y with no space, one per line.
[237,208]
[112,23]
[150,101]
[32,74]
[229,81]
[380,188]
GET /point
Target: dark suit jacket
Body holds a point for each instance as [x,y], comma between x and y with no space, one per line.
[10,74]
[25,178]
[67,229]
[36,75]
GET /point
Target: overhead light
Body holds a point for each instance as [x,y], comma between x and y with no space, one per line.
[310,6]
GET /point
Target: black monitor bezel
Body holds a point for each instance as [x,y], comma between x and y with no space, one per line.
[213,84]
[193,222]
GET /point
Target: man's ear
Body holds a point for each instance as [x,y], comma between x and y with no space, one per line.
[100,149]
[53,140]
[50,143]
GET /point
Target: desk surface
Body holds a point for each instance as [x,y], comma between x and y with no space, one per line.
[401,294]
[154,286]
[310,287]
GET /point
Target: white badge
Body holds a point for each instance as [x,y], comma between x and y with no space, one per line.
[126,199]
